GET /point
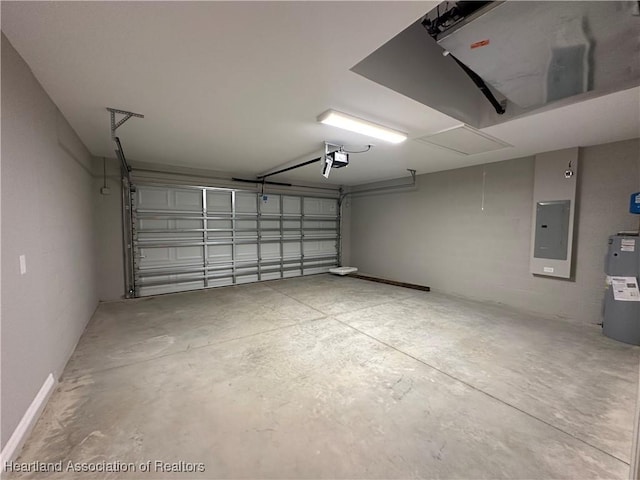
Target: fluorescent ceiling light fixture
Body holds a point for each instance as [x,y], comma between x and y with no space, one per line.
[354,124]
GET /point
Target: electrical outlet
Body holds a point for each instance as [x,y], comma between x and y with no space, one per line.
[23,264]
[105,191]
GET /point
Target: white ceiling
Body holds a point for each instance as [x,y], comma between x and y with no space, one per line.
[237,86]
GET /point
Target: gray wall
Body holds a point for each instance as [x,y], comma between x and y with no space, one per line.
[47,215]
[438,235]
[109,231]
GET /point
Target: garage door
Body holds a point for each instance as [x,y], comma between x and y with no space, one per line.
[187,238]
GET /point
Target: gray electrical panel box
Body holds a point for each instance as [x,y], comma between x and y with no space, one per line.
[553,215]
[622,299]
[552,229]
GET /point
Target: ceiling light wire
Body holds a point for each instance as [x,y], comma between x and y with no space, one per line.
[357,151]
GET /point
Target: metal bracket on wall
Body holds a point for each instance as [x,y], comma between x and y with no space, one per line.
[127,116]
[128,224]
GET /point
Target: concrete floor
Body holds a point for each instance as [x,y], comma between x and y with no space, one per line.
[334,377]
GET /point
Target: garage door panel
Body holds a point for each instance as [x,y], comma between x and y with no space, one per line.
[220,253]
[269,238]
[291,249]
[292,225]
[246,203]
[319,247]
[292,273]
[221,224]
[154,224]
[182,242]
[270,251]
[220,282]
[329,207]
[323,233]
[180,224]
[172,285]
[167,224]
[246,279]
[219,201]
[320,206]
[157,238]
[189,253]
[187,200]
[168,198]
[150,197]
[316,270]
[154,256]
[270,204]
[219,229]
[247,252]
[246,224]
[291,205]
[218,238]
[172,256]
[153,279]
[319,223]
[271,275]
[270,224]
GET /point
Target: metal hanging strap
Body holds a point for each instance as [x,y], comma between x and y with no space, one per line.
[127,116]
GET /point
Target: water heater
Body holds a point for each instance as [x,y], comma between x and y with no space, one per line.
[622,299]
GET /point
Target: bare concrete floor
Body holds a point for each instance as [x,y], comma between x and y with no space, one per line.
[334,377]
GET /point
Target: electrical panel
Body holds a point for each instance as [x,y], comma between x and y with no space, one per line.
[552,229]
[554,204]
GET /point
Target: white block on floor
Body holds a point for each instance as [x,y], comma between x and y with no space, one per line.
[343,270]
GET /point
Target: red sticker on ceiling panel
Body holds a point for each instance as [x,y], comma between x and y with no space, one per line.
[479,44]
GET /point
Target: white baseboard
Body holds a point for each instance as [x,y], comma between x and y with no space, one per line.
[22,431]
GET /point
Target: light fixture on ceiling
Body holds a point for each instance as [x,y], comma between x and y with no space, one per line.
[354,124]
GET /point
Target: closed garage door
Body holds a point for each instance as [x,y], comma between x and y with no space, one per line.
[187,238]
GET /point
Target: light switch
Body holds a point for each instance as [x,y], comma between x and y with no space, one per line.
[23,264]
